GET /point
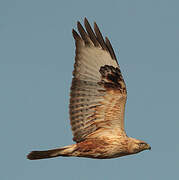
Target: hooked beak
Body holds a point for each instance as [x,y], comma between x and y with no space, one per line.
[148,147]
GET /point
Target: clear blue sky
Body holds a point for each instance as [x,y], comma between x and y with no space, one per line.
[36,62]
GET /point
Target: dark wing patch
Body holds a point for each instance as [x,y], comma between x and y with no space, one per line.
[112,78]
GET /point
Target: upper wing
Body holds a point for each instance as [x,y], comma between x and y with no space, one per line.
[98,91]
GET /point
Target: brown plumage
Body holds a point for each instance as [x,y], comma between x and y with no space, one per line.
[97,102]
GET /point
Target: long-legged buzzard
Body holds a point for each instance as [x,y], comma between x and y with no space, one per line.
[97,102]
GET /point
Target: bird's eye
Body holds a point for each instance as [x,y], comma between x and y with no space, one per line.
[141,144]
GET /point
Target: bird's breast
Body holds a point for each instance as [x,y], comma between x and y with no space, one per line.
[102,148]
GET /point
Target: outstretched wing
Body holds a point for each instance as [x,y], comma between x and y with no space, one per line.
[98,91]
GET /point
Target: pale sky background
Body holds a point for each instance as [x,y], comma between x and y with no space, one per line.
[36,62]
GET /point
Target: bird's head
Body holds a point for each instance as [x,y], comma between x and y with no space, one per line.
[136,146]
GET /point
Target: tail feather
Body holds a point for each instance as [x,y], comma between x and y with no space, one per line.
[64,151]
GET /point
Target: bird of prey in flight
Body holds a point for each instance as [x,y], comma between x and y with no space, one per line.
[97,102]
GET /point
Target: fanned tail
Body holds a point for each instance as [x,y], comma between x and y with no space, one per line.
[63,151]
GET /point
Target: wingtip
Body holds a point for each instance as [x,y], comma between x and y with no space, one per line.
[107,41]
[96,28]
[73,32]
[95,24]
[78,24]
[86,21]
[75,35]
